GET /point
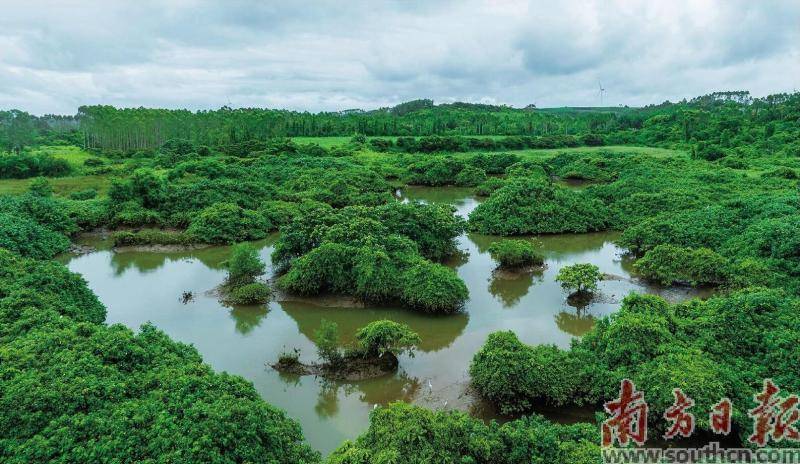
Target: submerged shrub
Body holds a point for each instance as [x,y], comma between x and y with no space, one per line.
[385,336]
[516,376]
[515,253]
[528,206]
[579,278]
[150,237]
[249,294]
[244,265]
[432,287]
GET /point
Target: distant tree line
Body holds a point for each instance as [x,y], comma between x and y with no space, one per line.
[708,124]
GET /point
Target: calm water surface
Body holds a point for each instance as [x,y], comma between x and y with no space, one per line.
[138,287]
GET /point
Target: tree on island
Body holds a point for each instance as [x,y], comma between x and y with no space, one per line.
[580,279]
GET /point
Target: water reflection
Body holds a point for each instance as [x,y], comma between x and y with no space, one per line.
[510,287]
[577,323]
[247,318]
[436,332]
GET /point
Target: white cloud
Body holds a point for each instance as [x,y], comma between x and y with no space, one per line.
[327,55]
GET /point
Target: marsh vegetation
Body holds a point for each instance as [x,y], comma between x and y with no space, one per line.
[403,226]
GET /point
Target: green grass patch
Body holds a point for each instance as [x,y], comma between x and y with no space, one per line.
[62,186]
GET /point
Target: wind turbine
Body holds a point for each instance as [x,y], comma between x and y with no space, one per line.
[601,93]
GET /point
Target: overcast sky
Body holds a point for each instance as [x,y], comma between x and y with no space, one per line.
[320,55]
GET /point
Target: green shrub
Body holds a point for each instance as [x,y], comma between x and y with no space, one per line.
[516,376]
[150,237]
[530,206]
[88,214]
[380,337]
[404,433]
[85,194]
[432,287]
[25,165]
[227,223]
[470,176]
[244,265]
[515,253]
[249,294]
[579,278]
[669,264]
[21,235]
[132,214]
[40,187]
[327,339]
[489,186]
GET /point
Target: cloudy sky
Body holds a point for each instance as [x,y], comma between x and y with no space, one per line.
[334,55]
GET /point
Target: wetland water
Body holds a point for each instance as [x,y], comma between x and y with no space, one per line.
[138,287]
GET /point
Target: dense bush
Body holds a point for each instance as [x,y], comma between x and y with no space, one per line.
[249,294]
[28,238]
[667,264]
[244,265]
[380,337]
[579,278]
[515,253]
[129,396]
[371,253]
[489,186]
[403,433]
[711,349]
[25,165]
[86,194]
[516,376]
[228,223]
[432,287]
[528,206]
[150,237]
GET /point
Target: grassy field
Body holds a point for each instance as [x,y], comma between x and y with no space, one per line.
[76,157]
[61,185]
[328,142]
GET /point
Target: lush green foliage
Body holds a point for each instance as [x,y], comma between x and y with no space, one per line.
[228,223]
[25,165]
[579,278]
[28,238]
[151,237]
[530,206]
[76,390]
[668,263]
[413,435]
[374,253]
[385,336]
[253,293]
[326,338]
[725,213]
[516,253]
[244,265]
[724,346]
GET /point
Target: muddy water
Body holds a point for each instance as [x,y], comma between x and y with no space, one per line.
[138,287]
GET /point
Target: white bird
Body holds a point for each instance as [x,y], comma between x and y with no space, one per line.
[375,406]
[445,403]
